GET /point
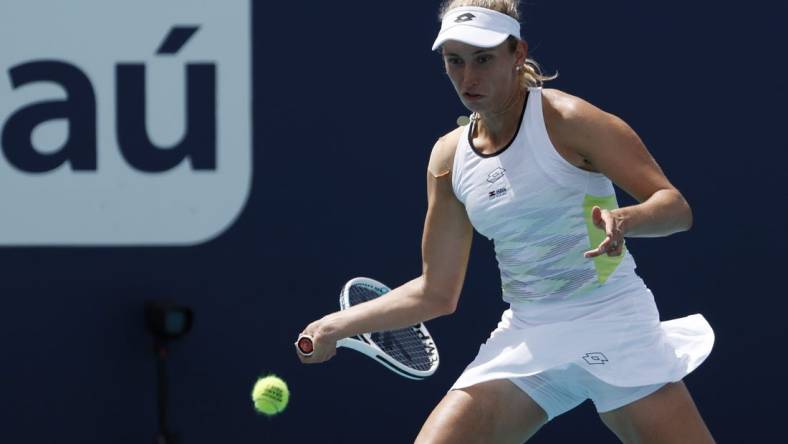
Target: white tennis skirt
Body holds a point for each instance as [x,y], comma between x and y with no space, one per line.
[616,336]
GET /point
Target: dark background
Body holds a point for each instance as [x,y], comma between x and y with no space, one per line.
[348,100]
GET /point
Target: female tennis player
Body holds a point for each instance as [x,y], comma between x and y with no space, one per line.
[534,171]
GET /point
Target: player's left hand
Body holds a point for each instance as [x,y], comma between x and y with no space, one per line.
[613,244]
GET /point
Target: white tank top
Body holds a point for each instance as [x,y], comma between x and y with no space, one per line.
[536,207]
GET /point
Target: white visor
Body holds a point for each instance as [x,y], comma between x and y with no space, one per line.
[476,26]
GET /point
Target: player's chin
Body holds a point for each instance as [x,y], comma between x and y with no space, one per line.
[474,105]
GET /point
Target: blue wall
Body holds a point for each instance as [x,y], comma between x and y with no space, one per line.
[347,103]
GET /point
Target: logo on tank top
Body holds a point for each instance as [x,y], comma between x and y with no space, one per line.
[496,193]
[595,358]
[495,175]
[467,17]
[498,190]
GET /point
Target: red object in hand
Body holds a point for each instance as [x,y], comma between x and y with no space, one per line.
[305,345]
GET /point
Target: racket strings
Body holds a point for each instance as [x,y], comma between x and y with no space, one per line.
[404,344]
[405,347]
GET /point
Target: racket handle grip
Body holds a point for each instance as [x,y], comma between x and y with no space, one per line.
[305,345]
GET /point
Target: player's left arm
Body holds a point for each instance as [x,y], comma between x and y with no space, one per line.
[609,146]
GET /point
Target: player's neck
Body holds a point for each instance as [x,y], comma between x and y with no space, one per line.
[498,126]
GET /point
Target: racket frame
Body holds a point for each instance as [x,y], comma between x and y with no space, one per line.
[363,343]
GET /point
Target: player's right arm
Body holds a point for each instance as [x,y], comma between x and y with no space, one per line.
[446,244]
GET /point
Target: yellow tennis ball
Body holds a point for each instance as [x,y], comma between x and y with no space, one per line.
[270,395]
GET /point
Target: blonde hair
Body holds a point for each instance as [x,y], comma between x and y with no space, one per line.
[530,71]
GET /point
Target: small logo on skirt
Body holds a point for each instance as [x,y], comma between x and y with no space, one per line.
[595,358]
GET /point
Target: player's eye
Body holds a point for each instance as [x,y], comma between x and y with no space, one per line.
[484,58]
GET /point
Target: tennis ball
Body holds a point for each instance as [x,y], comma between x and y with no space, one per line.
[270,395]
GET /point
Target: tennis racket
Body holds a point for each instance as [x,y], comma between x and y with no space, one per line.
[408,352]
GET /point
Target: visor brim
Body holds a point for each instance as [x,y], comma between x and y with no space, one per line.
[483,38]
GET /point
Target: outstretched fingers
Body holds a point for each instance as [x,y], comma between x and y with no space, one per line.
[613,243]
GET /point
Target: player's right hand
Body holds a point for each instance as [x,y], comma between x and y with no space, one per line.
[324,346]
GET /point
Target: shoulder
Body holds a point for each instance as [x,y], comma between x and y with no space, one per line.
[442,156]
[563,108]
[572,120]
